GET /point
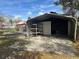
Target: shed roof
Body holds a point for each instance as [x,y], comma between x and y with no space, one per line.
[49,16]
[21,23]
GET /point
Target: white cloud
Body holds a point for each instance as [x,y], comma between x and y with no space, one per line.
[46,6]
[29,13]
[17,16]
[43,7]
[41,13]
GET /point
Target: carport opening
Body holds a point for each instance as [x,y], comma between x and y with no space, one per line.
[59,27]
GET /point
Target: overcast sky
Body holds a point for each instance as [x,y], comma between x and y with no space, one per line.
[26,8]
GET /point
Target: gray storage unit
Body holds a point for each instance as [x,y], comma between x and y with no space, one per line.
[56,24]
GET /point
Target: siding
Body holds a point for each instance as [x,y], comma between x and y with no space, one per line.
[46,28]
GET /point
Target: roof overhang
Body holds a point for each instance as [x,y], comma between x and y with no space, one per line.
[50,17]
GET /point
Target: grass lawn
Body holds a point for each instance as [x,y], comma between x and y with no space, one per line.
[7,30]
[6,42]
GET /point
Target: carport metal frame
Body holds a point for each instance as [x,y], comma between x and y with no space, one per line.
[75,34]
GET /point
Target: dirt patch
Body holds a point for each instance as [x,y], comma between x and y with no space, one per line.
[46,44]
[38,48]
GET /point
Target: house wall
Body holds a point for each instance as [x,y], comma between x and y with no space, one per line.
[46,28]
[21,28]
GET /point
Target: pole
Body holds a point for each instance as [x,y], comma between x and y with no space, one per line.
[75,34]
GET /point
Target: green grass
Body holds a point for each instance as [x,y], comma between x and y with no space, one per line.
[7,30]
[2,31]
[7,42]
[10,30]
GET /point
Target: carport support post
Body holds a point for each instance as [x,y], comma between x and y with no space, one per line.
[75,33]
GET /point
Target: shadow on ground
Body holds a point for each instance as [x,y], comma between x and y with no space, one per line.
[14,46]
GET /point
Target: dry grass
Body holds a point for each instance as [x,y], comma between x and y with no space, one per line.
[42,55]
[76,45]
[35,55]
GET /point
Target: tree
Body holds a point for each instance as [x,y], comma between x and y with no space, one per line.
[2,19]
[70,7]
[17,19]
[11,21]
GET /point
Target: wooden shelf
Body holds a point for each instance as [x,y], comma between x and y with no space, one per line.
[35,29]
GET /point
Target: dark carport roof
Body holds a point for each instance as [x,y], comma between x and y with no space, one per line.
[47,17]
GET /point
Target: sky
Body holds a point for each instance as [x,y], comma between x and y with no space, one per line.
[28,8]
